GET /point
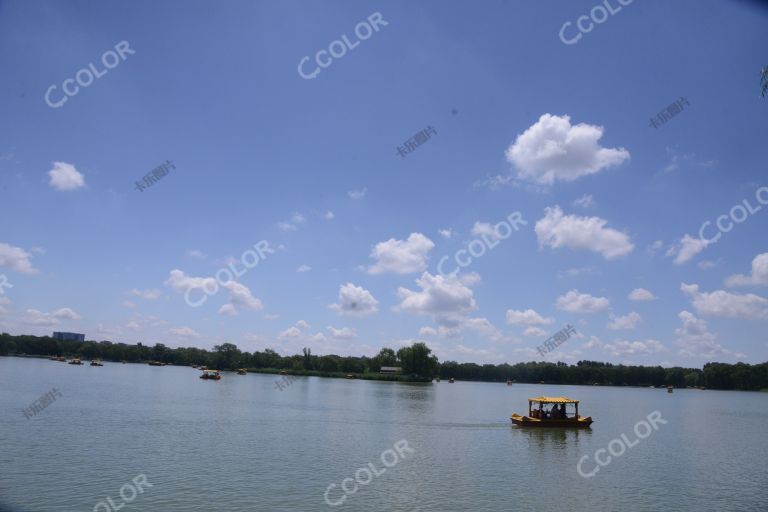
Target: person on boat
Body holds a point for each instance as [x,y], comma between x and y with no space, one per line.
[562,411]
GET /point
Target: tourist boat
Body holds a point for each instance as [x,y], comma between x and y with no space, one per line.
[75,361]
[156,363]
[451,380]
[241,371]
[283,372]
[211,374]
[96,362]
[437,379]
[509,382]
[557,417]
[669,389]
[350,376]
[61,359]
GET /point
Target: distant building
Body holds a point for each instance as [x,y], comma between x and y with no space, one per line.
[390,369]
[68,336]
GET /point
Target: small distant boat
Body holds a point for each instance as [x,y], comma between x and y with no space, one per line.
[556,417]
[61,359]
[451,380]
[509,382]
[437,379]
[350,376]
[211,375]
[156,363]
[241,371]
[669,389]
[75,361]
[283,372]
[96,362]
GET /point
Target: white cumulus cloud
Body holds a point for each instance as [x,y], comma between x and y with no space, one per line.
[355,301]
[534,331]
[622,348]
[758,277]
[629,321]
[16,259]
[527,317]
[65,177]
[447,299]
[184,332]
[585,201]
[686,248]
[641,294]
[554,150]
[576,302]
[345,333]
[726,304]
[581,233]
[401,256]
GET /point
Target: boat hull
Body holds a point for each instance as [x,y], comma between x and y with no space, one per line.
[526,421]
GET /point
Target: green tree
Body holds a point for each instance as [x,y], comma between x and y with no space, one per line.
[226,355]
[385,357]
[417,360]
[307,363]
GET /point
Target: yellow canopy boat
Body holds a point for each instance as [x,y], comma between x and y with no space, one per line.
[557,416]
[211,375]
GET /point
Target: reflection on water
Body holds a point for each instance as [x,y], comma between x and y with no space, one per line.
[546,440]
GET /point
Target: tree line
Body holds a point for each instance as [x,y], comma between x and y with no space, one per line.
[416,361]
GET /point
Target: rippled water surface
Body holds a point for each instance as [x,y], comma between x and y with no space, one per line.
[242,444]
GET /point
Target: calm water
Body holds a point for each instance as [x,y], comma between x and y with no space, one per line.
[240,444]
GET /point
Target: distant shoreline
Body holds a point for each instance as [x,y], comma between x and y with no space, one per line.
[413,364]
[398,378]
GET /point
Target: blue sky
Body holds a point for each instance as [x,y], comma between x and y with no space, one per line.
[523,122]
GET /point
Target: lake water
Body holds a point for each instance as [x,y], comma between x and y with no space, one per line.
[242,444]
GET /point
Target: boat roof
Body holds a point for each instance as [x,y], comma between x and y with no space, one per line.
[553,400]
